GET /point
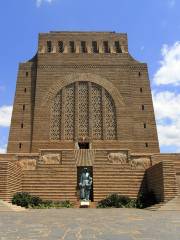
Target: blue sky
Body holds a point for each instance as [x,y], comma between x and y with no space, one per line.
[153,29]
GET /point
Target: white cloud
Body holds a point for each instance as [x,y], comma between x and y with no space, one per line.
[39,2]
[5,116]
[166,105]
[169,71]
[3,149]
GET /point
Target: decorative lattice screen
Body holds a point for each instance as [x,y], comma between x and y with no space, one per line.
[91,111]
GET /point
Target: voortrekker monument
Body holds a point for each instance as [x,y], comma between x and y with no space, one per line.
[83,103]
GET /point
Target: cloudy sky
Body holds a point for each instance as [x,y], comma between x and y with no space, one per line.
[153,29]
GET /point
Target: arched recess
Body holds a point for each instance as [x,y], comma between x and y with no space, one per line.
[60,83]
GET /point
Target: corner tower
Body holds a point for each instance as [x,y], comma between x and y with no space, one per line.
[83,89]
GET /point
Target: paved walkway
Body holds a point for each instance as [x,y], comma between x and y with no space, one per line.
[8,207]
[89,224]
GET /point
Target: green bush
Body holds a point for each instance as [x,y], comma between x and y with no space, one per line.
[66,204]
[116,201]
[56,204]
[22,199]
[35,201]
[144,200]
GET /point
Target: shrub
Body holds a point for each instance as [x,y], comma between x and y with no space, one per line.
[116,201]
[66,204]
[35,201]
[56,204]
[22,199]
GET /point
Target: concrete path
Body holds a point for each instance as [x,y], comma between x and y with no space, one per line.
[8,207]
[89,224]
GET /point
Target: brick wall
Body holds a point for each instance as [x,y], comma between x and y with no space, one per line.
[155,180]
[45,75]
[10,179]
[161,178]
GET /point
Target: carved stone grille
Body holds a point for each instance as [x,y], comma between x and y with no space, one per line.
[96,98]
[89,97]
[110,119]
[69,112]
[56,117]
[83,109]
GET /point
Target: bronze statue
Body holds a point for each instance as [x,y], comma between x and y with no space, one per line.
[85,185]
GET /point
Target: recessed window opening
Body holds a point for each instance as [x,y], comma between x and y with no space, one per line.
[83,47]
[143,107]
[27,74]
[146,144]
[83,145]
[22,125]
[145,125]
[106,47]
[49,46]
[95,47]
[141,90]
[61,47]
[72,47]
[139,74]
[25,89]
[24,106]
[117,47]
[20,145]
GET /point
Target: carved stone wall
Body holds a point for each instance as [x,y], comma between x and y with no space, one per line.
[92,111]
[97,127]
[41,122]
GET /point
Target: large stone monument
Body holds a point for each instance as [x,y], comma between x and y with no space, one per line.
[84,102]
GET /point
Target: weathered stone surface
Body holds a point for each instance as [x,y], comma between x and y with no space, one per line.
[69,95]
[88,224]
[51,158]
[27,164]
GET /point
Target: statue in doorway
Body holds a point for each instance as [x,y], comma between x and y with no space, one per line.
[85,185]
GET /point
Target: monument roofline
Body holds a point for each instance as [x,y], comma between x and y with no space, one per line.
[83,32]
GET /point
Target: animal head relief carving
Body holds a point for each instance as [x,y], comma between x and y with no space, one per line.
[117,158]
[140,163]
[27,164]
[51,158]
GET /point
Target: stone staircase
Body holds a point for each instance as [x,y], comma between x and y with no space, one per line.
[3,179]
[172,205]
[53,181]
[177,165]
[115,178]
[10,179]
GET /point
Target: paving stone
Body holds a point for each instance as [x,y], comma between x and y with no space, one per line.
[90,224]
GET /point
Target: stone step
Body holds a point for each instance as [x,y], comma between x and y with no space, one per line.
[154,207]
[172,205]
[8,207]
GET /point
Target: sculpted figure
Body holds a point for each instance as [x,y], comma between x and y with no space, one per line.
[85,185]
[28,164]
[51,158]
[117,158]
[140,162]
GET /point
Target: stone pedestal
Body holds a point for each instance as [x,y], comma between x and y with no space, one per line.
[84,204]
